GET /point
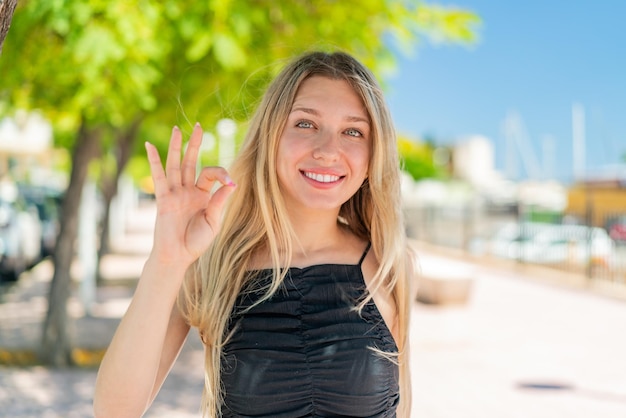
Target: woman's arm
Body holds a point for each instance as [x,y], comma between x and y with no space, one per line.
[142,350]
[152,331]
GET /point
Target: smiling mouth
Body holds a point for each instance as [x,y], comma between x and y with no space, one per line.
[322,178]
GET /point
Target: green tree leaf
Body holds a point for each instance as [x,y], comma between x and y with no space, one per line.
[105,72]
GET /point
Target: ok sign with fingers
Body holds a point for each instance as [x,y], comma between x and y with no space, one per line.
[188,210]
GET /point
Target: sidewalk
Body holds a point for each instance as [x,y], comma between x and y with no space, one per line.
[520,347]
[35,391]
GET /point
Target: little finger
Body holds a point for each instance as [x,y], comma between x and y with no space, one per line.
[156,170]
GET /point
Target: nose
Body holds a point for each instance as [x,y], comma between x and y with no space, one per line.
[327,146]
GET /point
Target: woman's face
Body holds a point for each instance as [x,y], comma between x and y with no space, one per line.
[324,151]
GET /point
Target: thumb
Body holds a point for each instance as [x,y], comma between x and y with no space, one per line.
[218,200]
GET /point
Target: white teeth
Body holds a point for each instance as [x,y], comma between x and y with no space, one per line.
[322,178]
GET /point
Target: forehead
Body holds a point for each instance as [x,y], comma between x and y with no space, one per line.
[329,92]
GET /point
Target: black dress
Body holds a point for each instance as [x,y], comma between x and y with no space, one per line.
[307,353]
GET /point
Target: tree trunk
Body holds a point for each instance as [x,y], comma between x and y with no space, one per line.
[7,7]
[56,344]
[124,150]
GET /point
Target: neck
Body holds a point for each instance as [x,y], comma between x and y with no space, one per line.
[318,239]
[315,230]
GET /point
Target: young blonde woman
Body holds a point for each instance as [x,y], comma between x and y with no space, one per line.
[293,265]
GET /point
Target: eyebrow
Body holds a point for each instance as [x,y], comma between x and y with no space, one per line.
[316,113]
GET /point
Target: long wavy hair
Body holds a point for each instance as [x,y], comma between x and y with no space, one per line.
[256,218]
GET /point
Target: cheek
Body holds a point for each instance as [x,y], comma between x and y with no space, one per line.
[286,158]
[361,159]
[281,170]
[289,148]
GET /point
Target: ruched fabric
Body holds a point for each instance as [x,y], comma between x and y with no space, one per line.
[307,352]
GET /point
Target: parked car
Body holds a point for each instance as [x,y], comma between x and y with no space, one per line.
[554,244]
[512,239]
[48,201]
[20,237]
[616,228]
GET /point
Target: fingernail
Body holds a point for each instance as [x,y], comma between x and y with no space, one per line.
[229,181]
[175,128]
[197,124]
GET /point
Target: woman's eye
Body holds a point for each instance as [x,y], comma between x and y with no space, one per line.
[304,124]
[353,132]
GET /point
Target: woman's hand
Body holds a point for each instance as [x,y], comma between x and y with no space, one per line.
[188,211]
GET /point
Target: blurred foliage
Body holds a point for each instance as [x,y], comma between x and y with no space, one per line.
[170,62]
[106,72]
[417,158]
[538,214]
[20,358]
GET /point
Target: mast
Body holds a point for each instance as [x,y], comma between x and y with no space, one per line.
[578,141]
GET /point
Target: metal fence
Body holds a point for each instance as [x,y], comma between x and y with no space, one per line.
[526,235]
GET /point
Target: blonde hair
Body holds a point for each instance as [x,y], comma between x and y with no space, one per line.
[256,218]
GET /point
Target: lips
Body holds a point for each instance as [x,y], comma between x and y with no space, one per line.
[321,178]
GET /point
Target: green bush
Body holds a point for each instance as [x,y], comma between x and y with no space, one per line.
[416,158]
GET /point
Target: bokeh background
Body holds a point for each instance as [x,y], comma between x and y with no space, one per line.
[510,128]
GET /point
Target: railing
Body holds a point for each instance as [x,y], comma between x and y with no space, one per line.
[525,235]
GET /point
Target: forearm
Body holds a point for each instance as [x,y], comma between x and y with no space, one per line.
[128,373]
[152,331]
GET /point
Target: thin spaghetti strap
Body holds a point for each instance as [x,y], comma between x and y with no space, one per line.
[369,244]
